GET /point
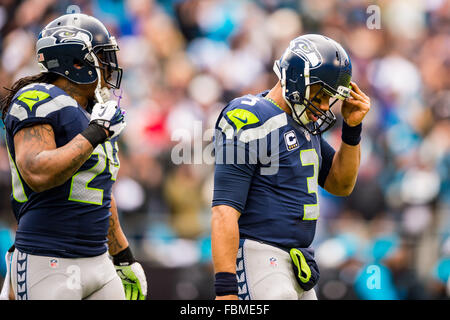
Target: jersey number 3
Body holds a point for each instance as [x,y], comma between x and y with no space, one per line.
[79,190]
[309,157]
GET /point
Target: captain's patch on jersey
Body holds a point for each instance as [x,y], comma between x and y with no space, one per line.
[291,140]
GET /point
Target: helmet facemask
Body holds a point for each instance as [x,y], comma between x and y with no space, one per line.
[104,59]
[325,119]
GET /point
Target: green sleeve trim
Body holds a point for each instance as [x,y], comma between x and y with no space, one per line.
[18,190]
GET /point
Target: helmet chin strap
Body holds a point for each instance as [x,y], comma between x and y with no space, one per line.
[101,93]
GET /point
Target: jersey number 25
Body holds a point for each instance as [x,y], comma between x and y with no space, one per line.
[79,190]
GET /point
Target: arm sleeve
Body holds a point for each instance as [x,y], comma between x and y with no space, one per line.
[233,172]
[30,107]
[327,160]
[15,124]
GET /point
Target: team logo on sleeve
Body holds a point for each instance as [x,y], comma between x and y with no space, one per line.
[291,140]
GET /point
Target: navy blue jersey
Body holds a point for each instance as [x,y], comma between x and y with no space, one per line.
[70,220]
[269,169]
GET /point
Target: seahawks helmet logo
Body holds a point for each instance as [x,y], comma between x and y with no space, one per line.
[307,51]
[69,34]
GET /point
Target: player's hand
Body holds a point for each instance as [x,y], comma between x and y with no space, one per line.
[109,116]
[228,297]
[355,108]
[133,280]
[118,123]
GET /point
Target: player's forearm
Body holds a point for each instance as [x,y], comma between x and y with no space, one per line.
[46,169]
[117,240]
[344,170]
[44,166]
[224,238]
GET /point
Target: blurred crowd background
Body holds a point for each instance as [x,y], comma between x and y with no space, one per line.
[184,60]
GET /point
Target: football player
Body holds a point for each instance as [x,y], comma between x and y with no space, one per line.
[61,137]
[271,158]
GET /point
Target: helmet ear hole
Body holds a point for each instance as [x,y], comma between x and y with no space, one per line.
[78,64]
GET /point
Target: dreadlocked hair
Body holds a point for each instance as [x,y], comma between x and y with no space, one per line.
[45,77]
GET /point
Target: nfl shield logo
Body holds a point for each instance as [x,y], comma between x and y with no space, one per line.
[273,262]
[53,263]
[307,136]
[40,57]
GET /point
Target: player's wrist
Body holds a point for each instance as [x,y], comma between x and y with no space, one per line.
[95,134]
[351,135]
[225,284]
[124,258]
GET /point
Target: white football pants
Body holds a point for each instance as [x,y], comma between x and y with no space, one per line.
[49,278]
[265,273]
